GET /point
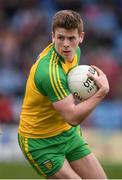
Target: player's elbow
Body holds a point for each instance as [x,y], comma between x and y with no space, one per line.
[74,122]
[72,118]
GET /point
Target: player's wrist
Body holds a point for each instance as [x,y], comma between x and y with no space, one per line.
[102,92]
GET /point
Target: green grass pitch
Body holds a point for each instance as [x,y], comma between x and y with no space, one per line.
[25,171]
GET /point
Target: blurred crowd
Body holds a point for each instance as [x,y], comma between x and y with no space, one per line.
[25,29]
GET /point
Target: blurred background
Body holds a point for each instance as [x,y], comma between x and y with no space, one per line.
[25,29]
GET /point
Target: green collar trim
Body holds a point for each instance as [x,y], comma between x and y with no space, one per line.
[60,57]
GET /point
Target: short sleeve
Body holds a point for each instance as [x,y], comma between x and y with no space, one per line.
[52,82]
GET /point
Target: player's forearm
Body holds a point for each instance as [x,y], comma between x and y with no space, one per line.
[83,109]
[75,114]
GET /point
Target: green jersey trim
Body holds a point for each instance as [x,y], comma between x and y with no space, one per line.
[55,77]
[50,78]
[78,54]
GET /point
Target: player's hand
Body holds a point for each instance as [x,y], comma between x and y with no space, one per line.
[101,81]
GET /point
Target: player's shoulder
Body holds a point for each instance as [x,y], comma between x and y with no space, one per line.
[44,66]
[43,59]
[48,64]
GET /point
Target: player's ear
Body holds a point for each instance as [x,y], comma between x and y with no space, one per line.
[53,35]
[82,37]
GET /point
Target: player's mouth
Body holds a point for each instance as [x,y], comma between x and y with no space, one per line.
[66,52]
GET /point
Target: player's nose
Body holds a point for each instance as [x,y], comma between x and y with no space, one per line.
[66,43]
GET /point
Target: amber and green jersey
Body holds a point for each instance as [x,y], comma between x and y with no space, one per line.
[47,83]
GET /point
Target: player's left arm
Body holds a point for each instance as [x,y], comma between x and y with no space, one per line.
[75,114]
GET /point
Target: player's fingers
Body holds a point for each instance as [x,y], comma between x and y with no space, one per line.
[94,79]
[99,71]
[91,76]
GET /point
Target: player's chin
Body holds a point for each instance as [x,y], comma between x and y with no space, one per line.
[69,58]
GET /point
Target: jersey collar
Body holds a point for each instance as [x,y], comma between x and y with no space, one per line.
[60,57]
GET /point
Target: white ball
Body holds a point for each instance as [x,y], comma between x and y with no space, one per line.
[80,85]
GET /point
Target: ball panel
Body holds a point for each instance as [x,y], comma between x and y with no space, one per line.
[81,86]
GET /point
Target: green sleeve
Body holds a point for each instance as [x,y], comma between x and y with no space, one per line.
[51,82]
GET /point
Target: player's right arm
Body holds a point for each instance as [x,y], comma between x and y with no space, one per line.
[75,114]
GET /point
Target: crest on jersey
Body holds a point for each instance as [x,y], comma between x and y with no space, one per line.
[48,164]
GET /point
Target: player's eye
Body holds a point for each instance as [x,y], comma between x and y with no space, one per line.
[71,38]
[61,38]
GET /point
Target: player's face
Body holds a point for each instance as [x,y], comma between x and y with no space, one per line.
[66,42]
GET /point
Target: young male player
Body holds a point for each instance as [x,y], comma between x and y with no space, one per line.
[49,118]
